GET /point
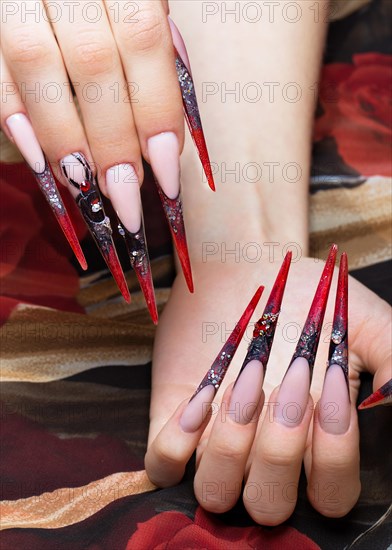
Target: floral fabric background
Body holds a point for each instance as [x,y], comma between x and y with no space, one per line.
[76,359]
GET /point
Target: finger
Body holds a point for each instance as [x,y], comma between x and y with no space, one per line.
[20,131]
[373,354]
[34,59]
[218,480]
[94,66]
[333,476]
[170,451]
[146,49]
[270,493]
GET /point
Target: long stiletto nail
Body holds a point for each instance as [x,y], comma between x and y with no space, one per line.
[81,184]
[247,388]
[25,139]
[189,100]
[293,394]
[200,402]
[124,192]
[334,406]
[382,396]
[164,154]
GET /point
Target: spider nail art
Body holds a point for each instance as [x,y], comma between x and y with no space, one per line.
[25,139]
[382,396]
[198,406]
[82,186]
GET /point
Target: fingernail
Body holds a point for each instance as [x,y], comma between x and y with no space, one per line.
[81,183]
[309,340]
[338,347]
[25,139]
[382,396]
[248,386]
[191,108]
[293,394]
[179,43]
[216,373]
[123,188]
[197,409]
[163,151]
[246,392]
[334,407]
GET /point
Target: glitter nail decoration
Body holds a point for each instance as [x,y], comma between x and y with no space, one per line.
[383,396]
[90,204]
[264,330]
[310,336]
[140,262]
[174,215]
[338,348]
[192,116]
[48,187]
[218,369]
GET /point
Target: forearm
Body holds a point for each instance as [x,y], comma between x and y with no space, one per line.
[256,85]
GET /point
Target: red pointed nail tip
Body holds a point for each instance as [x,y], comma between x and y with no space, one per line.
[69,232]
[218,369]
[140,262]
[193,116]
[338,348]
[382,396]
[309,340]
[91,207]
[264,330]
[48,187]
[110,256]
[173,211]
[199,141]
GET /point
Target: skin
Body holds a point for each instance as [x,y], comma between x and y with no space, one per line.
[106,54]
[271,214]
[273,211]
[228,452]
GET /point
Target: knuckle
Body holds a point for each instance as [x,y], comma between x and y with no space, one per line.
[266,515]
[93,58]
[231,452]
[28,50]
[272,459]
[148,32]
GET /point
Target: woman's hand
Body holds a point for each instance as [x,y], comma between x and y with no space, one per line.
[265,453]
[120,61]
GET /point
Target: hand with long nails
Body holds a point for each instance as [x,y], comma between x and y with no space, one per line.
[121,124]
[253,433]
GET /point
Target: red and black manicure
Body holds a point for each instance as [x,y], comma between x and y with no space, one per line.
[218,369]
[338,347]
[90,205]
[48,187]
[310,336]
[174,214]
[264,330]
[140,262]
[192,116]
[382,396]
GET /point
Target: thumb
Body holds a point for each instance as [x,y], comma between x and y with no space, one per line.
[371,335]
